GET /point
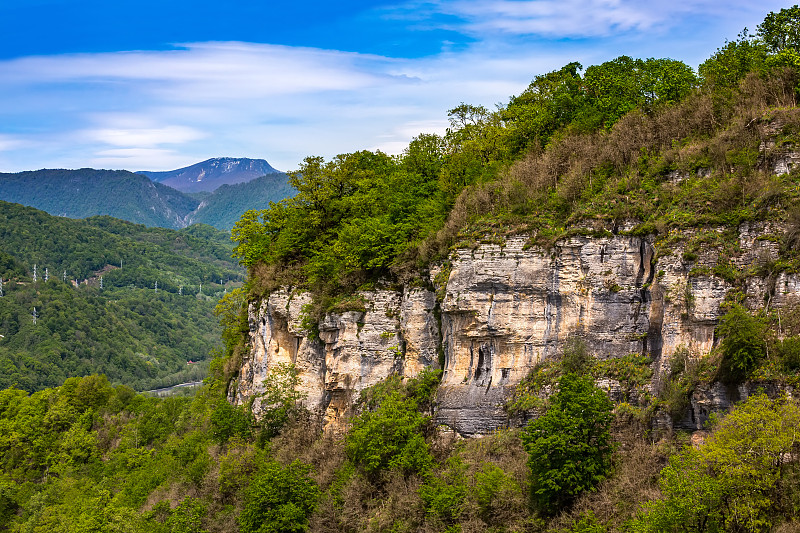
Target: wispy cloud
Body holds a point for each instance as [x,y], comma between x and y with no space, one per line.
[573,18]
[146,110]
[159,110]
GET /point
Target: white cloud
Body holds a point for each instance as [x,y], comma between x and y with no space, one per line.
[145,136]
[160,110]
[583,18]
[8,143]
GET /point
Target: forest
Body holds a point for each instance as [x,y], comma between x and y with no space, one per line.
[578,144]
[110,297]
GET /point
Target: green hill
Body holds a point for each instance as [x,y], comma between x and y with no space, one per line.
[88,192]
[126,329]
[226,205]
[124,195]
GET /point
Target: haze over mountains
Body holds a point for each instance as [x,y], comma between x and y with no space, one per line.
[173,199]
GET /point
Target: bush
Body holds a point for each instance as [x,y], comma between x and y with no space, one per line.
[570,446]
[279,499]
[743,344]
[390,437]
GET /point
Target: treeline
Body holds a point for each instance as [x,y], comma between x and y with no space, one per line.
[132,253]
[594,143]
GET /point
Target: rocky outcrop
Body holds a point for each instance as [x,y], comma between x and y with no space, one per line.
[503,307]
[395,333]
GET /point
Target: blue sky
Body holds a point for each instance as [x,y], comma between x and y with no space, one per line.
[157,85]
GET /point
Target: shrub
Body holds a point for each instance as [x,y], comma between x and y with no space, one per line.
[743,344]
[570,446]
[390,437]
[279,499]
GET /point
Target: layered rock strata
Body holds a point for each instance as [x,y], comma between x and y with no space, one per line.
[501,308]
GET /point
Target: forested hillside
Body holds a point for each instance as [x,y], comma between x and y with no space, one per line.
[648,146]
[226,206]
[88,192]
[139,328]
[133,197]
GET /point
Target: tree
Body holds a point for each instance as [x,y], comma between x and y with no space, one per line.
[390,437]
[731,63]
[781,30]
[569,446]
[740,479]
[743,343]
[279,499]
[280,397]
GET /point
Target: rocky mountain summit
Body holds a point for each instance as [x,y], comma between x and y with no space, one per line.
[212,173]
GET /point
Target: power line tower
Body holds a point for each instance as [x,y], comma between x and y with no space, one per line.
[35,316]
[34,272]
[180,289]
[156,286]
[101,283]
[46,274]
[1,287]
[64,277]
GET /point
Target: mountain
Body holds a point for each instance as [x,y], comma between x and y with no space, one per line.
[212,173]
[121,326]
[226,205]
[88,192]
[134,197]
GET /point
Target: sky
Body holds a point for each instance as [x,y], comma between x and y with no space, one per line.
[159,85]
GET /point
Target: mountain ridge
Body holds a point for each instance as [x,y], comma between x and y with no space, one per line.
[134,197]
[209,175]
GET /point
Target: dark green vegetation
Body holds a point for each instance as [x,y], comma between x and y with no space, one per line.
[569,445]
[88,192]
[127,330]
[133,197]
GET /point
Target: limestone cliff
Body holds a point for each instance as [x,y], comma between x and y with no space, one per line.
[502,307]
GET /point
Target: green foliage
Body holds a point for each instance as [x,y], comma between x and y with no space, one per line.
[780,31]
[743,345]
[570,445]
[126,330]
[738,480]
[279,499]
[279,399]
[444,493]
[228,421]
[390,437]
[187,517]
[576,358]
[731,63]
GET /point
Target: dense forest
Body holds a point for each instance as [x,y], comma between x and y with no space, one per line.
[109,296]
[577,145]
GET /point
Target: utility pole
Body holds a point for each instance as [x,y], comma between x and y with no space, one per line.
[201,287]
[1,286]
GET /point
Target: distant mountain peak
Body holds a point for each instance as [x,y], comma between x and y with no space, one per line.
[212,173]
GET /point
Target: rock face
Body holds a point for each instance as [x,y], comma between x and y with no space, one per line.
[394,333]
[504,307]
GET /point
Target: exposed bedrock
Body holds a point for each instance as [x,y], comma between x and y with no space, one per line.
[506,307]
